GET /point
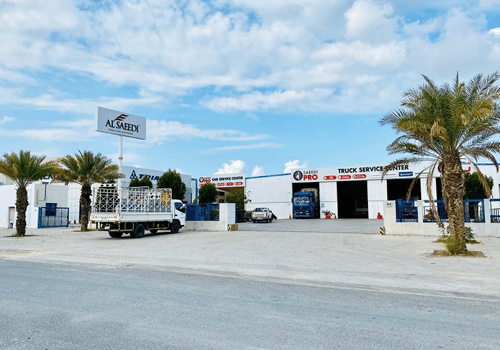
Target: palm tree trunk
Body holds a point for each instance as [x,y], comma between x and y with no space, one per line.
[21,206]
[85,205]
[453,192]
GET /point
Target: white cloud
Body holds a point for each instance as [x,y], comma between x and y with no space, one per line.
[258,171]
[370,21]
[489,3]
[495,31]
[5,119]
[73,130]
[261,145]
[160,130]
[235,167]
[294,164]
[273,55]
[258,101]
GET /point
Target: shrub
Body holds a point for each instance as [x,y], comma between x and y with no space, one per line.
[452,244]
[469,235]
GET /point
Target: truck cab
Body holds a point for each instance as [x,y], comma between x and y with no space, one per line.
[305,204]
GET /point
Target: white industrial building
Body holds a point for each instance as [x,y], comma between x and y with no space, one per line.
[342,189]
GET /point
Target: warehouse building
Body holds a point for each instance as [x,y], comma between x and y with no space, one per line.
[349,192]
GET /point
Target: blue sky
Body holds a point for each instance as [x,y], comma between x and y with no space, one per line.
[230,86]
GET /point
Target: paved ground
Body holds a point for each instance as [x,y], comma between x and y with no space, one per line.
[315,225]
[317,252]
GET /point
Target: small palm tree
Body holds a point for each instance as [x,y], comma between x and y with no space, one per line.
[24,169]
[448,124]
[86,169]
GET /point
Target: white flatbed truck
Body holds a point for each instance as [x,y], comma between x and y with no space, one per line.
[133,210]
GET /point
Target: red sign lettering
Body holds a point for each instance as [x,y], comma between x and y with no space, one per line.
[310,177]
[359,176]
[230,183]
[329,177]
[220,184]
[238,183]
[344,177]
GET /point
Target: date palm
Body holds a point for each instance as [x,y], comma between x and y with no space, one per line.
[24,169]
[448,124]
[86,169]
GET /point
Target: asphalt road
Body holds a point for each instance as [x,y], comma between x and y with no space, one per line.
[57,306]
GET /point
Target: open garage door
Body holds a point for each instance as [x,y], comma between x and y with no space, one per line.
[398,189]
[352,197]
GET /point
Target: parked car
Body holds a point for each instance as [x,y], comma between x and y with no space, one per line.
[263,214]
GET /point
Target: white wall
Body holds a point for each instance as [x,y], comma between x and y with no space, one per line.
[7,199]
[50,193]
[74,192]
[328,197]
[227,214]
[56,193]
[273,192]
[377,196]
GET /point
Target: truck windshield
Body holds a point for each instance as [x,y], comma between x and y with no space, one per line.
[301,200]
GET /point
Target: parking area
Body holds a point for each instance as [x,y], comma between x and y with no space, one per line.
[323,252]
[315,225]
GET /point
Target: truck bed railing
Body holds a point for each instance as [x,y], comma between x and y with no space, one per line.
[131,200]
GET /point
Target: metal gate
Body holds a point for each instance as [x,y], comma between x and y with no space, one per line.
[53,217]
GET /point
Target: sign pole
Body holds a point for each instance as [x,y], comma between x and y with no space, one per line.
[120,153]
[120,159]
[121,124]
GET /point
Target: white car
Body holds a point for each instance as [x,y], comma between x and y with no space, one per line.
[262,214]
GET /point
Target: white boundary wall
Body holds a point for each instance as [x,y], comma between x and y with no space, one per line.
[227,214]
[422,228]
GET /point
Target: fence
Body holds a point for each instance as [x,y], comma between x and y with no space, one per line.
[406,211]
[495,210]
[202,212]
[53,217]
[481,215]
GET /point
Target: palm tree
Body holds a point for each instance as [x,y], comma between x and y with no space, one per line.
[448,124]
[86,169]
[24,169]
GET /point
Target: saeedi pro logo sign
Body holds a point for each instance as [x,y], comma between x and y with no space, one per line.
[119,123]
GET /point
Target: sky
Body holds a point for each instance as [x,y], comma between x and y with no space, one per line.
[230,86]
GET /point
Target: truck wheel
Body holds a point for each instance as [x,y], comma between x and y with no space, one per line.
[115,234]
[138,231]
[175,226]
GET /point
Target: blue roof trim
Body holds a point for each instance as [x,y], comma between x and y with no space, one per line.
[260,177]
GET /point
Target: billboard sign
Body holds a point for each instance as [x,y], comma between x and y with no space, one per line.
[119,123]
[224,181]
[358,173]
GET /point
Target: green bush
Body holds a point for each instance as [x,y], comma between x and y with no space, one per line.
[469,235]
[452,244]
[207,193]
[144,182]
